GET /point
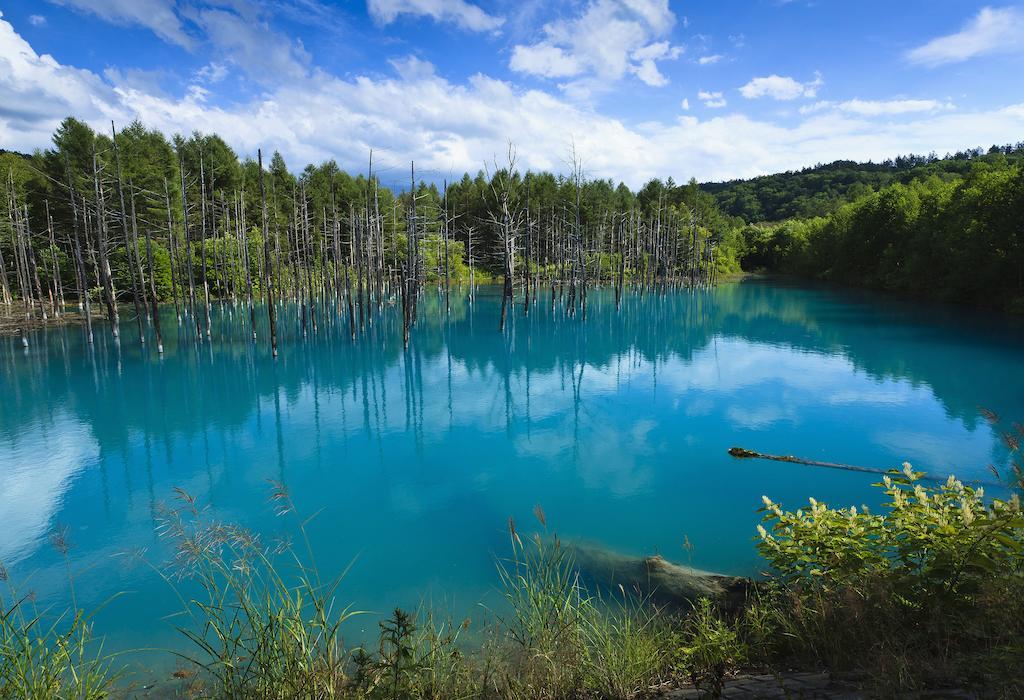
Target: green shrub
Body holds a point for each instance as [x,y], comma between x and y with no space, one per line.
[936,546]
[416,659]
[712,647]
[927,592]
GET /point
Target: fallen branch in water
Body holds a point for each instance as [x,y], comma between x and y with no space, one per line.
[743,453]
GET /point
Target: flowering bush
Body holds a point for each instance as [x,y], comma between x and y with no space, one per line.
[931,586]
[935,541]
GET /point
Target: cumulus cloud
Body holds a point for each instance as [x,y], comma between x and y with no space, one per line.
[34,88]
[458,12]
[36,20]
[714,100]
[991,31]
[780,87]
[608,40]
[545,60]
[447,126]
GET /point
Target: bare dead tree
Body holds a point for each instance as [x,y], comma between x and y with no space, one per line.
[268,283]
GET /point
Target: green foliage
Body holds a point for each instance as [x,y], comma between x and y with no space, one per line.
[948,240]
[712,647]
[43,659]
[416,660]
[928,591]
[566,642]
[432,247]
[46,656]
[630,646]
[936,546]
[122,272]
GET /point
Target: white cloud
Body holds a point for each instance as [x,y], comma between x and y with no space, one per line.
[608,40]
[992,31]
[159,16]
[235,31]
[457,127]
[412,68]
[710,60]
[212,73]
[34,89]
[714,100]
[647,70]
[657,51]
[459,12]
[36,20]
[780,87]
[876,108]
[248,41]
[685,104]
[544,60]
[649,74]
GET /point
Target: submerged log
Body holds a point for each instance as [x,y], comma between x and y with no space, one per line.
[654,577]
[743,453]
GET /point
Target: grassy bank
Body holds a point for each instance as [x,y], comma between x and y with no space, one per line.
[927,593]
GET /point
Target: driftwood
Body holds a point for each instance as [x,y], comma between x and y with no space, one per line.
[743,453]
[664,582]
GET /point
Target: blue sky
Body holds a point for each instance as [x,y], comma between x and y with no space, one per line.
[642,88]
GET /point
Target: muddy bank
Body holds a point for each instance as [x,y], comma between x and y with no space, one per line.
[15,322]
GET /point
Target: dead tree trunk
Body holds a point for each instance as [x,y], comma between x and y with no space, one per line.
[267,281]
[101,244]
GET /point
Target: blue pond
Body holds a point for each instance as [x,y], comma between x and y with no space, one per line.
[618,425]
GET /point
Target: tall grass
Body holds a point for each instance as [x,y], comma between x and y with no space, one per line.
[632,646]
[547,610]
[565,641]
[266,625]
[46,655]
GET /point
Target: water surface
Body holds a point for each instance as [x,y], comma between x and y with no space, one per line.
[618,426]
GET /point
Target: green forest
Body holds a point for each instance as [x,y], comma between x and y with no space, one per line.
[953,232]
[947,228]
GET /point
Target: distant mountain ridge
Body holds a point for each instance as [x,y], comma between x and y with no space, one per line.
[819,190]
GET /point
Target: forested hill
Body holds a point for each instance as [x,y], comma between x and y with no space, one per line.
[820,190]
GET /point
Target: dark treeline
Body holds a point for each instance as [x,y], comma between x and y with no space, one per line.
[132,217]
[951,238]
[820,190]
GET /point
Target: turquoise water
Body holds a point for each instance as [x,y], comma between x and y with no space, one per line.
[618,426]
